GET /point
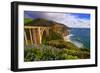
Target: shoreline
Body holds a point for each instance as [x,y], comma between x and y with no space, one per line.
[68,39]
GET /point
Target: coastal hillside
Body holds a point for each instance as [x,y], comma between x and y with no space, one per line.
[44,40]
[40,22]
[47,27]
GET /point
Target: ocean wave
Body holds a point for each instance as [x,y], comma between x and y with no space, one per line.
[77,43]
[68,37]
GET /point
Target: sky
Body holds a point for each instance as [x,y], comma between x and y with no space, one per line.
[73,20]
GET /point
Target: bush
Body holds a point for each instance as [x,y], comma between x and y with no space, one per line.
[57,43]
[85,49]
[64,55]
[70,45]
[80,54]
[28,55]
[44,53]
[38,53]
[52,36]
[62,44]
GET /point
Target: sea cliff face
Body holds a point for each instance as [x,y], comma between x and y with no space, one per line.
[49,40]
[78,36]
[42,27]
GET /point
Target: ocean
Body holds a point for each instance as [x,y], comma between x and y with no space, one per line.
[80,37]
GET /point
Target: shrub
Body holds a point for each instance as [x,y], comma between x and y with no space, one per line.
[72,57]
[80,54]
[85,49]
[28,55]
[52,36]
[63,55]
[62,44]
[39,53]
[70,45]
[56,43]
[43,53]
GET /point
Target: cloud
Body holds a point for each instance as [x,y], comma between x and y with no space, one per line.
[70,20]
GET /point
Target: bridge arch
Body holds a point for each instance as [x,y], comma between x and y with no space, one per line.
[34,34]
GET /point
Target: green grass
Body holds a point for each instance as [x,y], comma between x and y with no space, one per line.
[47,53]
[54,47]
[52,36]
[62,44]
[27,20]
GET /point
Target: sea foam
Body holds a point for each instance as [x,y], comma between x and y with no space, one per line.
[77,43]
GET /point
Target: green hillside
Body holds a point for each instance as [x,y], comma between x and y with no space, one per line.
[27,20]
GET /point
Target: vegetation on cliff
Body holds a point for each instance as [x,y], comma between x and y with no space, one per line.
[53,47]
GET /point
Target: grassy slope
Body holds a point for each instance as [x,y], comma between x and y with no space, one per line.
[27,20]
[54,48]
